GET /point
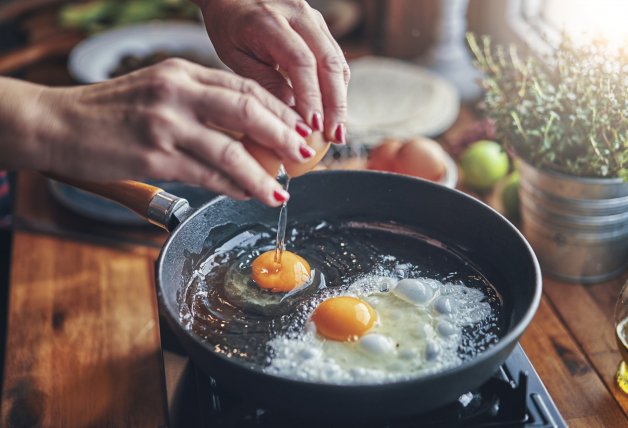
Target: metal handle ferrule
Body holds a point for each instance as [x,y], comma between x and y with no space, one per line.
[167,211]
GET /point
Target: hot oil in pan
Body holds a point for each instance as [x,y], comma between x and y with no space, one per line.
[240,323]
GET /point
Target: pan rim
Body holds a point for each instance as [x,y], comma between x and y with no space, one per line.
[510,338]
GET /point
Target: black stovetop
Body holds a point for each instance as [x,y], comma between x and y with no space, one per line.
[513,397]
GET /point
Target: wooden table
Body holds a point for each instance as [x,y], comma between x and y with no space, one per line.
[83,345]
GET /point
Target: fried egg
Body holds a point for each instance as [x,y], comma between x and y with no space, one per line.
[260,284]
[343,318]
[379,330]
[279,276]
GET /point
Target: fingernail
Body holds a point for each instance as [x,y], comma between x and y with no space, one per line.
[303,129]
[281,195]
[317,121]
[339,134]
[306,151]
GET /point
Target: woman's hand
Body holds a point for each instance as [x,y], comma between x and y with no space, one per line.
[265,40]
[161,122]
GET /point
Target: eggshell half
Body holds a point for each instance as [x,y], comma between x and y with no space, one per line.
[269,161]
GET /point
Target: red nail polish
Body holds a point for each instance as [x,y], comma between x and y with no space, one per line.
[317,122]
[281,196]
[339,134]
[302,129]
[306,152]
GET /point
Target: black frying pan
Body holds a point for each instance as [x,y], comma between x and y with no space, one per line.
[466,225]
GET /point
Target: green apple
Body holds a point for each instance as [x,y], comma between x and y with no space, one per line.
[510,196]
[483,164]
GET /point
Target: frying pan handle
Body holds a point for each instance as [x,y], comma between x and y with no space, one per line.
[151,202]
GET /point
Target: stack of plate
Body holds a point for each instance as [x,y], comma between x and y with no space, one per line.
[392,98]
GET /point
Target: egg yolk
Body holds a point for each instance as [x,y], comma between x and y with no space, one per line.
[291,272]
[343,318]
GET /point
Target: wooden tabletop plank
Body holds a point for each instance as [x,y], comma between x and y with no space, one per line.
[574,385]
[588,313]
[83,345]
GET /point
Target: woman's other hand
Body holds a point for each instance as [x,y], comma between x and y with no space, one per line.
[161,122]
[286,46]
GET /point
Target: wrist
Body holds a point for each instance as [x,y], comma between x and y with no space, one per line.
[50,128]
[19,122]
[31,124]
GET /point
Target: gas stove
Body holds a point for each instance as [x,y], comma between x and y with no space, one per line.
[513,397]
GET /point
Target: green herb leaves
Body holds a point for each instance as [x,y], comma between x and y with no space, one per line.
[567,113]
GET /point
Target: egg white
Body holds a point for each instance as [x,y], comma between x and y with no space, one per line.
[418,331]
[241,290]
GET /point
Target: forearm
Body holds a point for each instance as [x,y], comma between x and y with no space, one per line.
[22,125]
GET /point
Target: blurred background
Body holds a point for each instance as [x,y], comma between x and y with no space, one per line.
[397,28]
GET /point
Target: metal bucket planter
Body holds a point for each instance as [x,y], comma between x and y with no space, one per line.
[577,226]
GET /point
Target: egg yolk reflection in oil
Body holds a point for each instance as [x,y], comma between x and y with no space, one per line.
[343,318]
[292,271]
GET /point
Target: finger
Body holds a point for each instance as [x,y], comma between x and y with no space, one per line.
[231,158]
[180,165]
[195,172]
[245,113]
[295,58]
[331,66]
[267,76]
[237,83]
[346,72]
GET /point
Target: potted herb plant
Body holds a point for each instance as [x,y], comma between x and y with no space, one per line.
[565,117]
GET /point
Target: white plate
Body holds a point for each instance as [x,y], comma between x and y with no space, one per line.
[94,58]
[397,99]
